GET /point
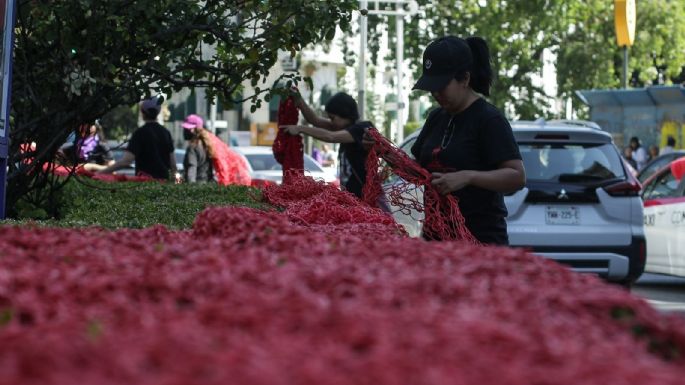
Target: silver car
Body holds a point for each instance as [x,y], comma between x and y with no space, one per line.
[263,166]
[579,207]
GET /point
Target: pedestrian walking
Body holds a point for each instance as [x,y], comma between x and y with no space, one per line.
[197,163]
[639,154]
[150,146]
[669,147]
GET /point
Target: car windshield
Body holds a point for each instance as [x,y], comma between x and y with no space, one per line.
[580,163]
[262,162]
[117,154]
[656,165]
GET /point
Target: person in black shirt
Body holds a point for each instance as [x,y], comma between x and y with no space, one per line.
[342,126]
[467,143]
[150,146]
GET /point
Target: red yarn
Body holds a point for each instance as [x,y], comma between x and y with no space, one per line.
[288,149]
[230,168]
[443,219]
[315,203]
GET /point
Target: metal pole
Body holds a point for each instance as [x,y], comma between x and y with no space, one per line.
[363,26]
[625,67]
[3,181]
[212,115]
[400,59]
[6,92]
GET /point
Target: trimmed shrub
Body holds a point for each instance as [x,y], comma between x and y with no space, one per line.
[139,205]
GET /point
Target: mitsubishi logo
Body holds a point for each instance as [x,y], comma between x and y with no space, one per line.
[428,64]
[562,195]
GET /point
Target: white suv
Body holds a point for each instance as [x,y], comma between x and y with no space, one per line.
[579,207]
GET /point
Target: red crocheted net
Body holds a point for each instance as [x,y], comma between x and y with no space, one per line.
[288,149]
[229,167]
[443,219]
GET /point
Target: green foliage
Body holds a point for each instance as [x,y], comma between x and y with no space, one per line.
[77,60]
[580,32]
[589,57]
[138,205]
[411,127]
[120,122]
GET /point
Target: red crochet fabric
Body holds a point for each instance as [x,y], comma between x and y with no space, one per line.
[229,167]
[443,219]
[288,149]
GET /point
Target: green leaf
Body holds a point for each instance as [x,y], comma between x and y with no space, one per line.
[6,315]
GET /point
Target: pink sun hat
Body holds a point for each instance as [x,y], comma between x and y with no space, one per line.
[193,121]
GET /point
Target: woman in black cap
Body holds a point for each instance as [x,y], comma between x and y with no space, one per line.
[467,143]
[342,126]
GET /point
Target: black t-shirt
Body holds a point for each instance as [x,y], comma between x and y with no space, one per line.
[152,145]
[478,138]
[353,159]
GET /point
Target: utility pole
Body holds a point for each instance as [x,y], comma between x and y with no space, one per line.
[361,80]
[402,8]
[399,54]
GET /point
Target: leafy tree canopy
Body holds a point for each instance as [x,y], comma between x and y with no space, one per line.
[76,60]
[579,32]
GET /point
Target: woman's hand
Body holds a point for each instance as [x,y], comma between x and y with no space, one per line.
[292,129]
[446,183]
[367,140]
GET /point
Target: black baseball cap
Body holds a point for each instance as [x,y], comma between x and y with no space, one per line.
[443,59]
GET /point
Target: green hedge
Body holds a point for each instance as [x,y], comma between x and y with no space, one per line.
[138,205]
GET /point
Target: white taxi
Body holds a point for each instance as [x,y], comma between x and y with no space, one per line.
[664,218]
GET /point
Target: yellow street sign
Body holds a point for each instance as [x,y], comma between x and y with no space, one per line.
[624,21]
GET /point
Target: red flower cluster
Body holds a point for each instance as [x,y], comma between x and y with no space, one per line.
[255,297]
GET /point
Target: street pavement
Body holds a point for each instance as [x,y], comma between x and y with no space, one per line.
[666,293]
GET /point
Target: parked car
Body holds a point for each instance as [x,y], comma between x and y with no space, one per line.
[580,206]
[664,219]
[179,154]
[264,167]
[118,153]
[657,163]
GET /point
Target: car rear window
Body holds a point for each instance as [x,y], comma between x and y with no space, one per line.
[262,162]
[566,162]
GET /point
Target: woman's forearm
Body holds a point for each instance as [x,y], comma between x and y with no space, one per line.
[325,135]
[502,180]
[313,118]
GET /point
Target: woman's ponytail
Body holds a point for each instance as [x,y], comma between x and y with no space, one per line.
[481,75]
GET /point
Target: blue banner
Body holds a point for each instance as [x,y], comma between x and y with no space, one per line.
[7,8]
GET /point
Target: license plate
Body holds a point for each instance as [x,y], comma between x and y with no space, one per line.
[562,215]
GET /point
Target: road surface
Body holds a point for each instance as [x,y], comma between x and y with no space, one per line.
[664,292]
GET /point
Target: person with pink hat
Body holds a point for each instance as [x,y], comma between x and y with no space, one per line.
[197,164]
